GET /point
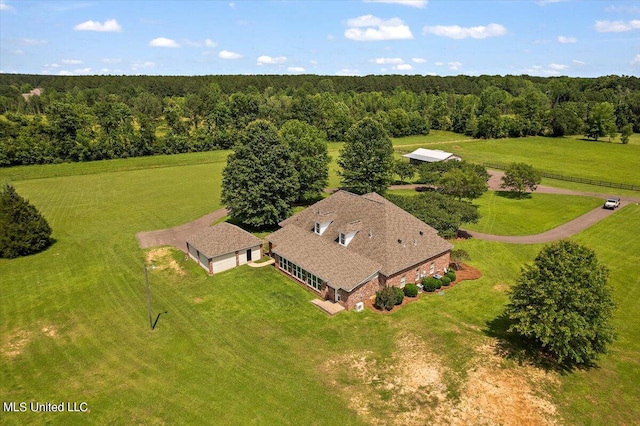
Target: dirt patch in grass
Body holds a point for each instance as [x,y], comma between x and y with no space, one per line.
[163,260]
[415,387]
[501,287]
[13,344]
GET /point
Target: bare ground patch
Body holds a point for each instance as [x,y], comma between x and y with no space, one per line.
[14,344]
[164,261]
[415,387]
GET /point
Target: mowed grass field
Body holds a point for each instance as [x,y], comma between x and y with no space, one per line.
[569,156]
[246,346]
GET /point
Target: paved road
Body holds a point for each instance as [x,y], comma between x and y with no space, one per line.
[178,235]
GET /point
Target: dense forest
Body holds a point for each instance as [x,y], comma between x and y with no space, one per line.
[85,118]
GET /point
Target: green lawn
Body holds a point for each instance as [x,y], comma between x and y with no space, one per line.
[570,156]
[503,215]
[245,346]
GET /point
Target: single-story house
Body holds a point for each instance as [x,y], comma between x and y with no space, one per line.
[347,246]
[422,155]
[223,246]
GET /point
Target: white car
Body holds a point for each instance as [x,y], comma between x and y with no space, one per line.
[612,203]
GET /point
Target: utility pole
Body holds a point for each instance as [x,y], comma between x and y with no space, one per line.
[146,279]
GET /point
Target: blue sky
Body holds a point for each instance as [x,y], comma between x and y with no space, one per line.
[436,37]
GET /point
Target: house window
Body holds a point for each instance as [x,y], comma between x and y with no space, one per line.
[317,228]
[342,240]
[417,274]
[300,274]
[403,281]
[432,268]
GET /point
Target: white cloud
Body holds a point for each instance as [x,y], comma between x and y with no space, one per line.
[198,43]
[385,61]
[71,61]
[403,67]
[458,32]
[558,67]
[296,69]
[455,66]
[5,7]
[635,60]
[347,71]
[110,26]
[577,62]
[268,60]
[313,62]
[232,5]
[330,37]
[623,9]
[138,65]
[565,40]
[616,26]
[439,64]
[163,42]
[419,60]
[421,4]
[32,42]
[372,28]
[79,71]
[225,54]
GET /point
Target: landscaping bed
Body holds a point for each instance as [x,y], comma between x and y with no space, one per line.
[466,273]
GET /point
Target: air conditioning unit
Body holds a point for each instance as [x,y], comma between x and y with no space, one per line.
[359,306]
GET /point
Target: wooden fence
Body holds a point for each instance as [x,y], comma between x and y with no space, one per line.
[572,179]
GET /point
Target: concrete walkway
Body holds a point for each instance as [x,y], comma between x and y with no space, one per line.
[329,307]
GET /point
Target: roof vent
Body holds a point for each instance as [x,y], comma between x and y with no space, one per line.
[415,242]
[421,233]
[370,233]
[399,241]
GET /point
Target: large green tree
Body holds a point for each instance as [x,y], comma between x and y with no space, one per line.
[308,149]
[520,177]
[564,303]
[601,121]
[260,182]
[23,230]
[366,158]
[439,211]
[463,183]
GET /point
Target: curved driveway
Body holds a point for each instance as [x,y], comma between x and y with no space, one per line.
[178,235]
[563,231]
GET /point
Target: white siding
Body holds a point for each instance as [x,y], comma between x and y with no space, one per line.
[255,253]
[224,262]
[242,257]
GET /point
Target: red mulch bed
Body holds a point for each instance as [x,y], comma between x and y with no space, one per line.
[466,273]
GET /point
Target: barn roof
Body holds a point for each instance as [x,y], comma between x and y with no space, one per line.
[430,155]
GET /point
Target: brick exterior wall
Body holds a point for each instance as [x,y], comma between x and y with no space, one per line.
[359,294]
[440,263]
[365,291]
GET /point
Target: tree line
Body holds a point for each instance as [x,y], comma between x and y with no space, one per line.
[103,117]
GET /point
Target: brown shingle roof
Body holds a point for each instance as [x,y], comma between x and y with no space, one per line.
[221,239]
[336,265]
[387,235]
